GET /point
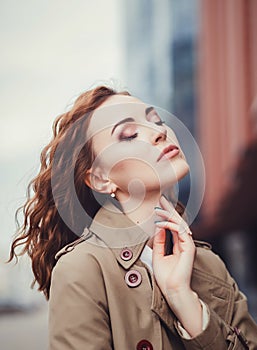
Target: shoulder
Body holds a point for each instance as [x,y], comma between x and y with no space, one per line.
[77,288]
[209,263]
[76,257]
[80,263]
[85,249]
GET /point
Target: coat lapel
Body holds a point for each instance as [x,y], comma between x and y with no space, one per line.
[113,229]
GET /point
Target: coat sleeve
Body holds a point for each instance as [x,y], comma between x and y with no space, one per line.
[239,334]
[78,312]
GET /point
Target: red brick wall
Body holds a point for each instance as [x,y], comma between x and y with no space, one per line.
[227,73]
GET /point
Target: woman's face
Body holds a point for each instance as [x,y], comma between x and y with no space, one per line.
[134,151]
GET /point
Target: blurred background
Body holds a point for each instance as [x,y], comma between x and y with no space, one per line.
[195,58]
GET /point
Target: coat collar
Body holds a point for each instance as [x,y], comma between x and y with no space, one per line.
[113,229]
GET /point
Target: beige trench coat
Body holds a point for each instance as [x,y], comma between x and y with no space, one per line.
[103,297]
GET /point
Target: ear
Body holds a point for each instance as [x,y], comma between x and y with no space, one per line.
[98,181]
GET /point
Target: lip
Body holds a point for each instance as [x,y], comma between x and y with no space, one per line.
[168,152]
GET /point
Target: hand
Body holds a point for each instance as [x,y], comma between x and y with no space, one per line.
[172,272]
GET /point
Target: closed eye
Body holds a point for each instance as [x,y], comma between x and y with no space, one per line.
[153,117]
[128,138]
[160,122]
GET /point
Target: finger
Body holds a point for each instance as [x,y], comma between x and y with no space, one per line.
[182,241]
[185,249]
[186,244]
[184,229]
[168,206]
[163,213]
[159,242]
[185,238]
[174,216]
[186,254]
[167,225]
[178,227]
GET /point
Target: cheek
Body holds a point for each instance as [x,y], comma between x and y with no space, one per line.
[132,157]
[125,172]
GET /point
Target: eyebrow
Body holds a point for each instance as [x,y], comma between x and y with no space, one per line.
[126,120]
[148,110]
[129,119]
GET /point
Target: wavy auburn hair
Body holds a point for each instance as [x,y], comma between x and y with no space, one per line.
[67,157]
[52,213]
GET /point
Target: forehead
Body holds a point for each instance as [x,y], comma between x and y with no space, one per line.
[114,109]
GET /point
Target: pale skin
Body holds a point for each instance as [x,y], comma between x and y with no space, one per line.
[173,272]
[137,158]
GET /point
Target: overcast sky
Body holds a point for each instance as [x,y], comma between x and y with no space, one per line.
[50,52]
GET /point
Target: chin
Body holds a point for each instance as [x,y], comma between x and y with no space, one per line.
[183,171]
[180,172]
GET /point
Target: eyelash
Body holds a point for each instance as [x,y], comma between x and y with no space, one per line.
[132,137]
[128,138]
[160,122]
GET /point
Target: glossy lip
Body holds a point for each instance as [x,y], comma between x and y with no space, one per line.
[168,152]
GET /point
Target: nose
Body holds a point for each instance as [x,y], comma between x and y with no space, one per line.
[159,136]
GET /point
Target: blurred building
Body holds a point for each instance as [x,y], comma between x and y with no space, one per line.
[161,58]
[160,54]
[227,71]
[198,59]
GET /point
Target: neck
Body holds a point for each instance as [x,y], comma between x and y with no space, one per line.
[141,211]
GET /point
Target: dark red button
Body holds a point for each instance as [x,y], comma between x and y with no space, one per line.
[133,278]
[144,345]
[126,254]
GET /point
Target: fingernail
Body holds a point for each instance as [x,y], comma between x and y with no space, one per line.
[160,223]
[158,208]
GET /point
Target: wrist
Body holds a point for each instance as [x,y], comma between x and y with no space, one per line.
[188,309]
[181,293]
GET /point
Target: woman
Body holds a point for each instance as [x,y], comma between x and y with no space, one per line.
[124,283]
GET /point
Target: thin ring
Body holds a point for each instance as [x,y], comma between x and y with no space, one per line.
[186,230]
